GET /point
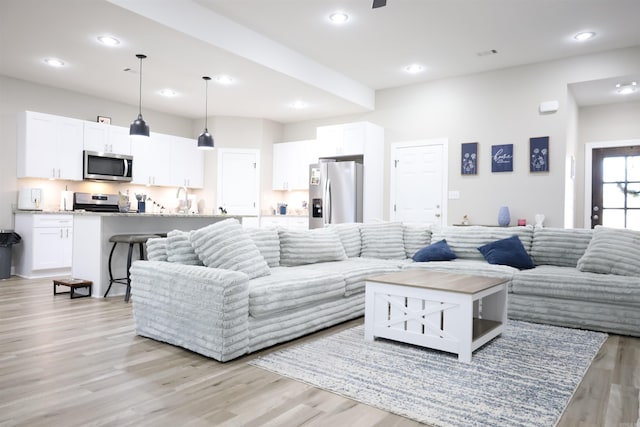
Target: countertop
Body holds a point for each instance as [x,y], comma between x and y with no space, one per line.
[130,214]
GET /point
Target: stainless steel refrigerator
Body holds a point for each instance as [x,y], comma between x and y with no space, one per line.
[335,191]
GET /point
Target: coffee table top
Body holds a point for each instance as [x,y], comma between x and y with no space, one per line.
[438,280]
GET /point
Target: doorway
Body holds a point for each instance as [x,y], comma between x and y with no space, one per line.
[238,180]
[615,187]
[419,171]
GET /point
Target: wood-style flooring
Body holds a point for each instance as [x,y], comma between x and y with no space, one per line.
[79,363]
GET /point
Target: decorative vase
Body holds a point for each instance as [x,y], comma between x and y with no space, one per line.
[503,216]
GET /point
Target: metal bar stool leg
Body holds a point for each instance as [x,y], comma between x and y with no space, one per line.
[113,248]
[126,297]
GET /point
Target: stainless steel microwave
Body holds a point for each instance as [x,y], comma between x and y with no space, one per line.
[107,166]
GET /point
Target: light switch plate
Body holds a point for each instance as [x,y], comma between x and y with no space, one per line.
[454,195]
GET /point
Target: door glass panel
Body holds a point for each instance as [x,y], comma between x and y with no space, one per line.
[633,195]
[633,168]
[613,169]
[612,196]
[613,218]
[633,219]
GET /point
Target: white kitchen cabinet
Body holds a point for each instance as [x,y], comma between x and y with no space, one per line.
[47,245]
[187,167]
[291,162]
[359,138]
[105,138]
[290,222]
[152,160]
[49,146]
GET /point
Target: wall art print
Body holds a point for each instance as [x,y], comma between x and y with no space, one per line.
[469,158]
[539,154]
[502,158]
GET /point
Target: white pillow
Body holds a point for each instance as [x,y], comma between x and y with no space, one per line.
[227,245]
[612,251]
[350,237]
[416,237]
[157,249]
[383,240]
[268,243]
[310,246]
[179,248]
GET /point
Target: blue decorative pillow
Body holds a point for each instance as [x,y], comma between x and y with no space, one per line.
[507,251]
[438,251]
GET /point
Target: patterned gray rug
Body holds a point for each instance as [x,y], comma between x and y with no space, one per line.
[525,377]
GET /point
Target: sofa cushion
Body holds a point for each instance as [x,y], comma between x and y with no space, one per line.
[310,246]
[416,237]
[383,240]
[612,251]
[288,288]
[227,245]
[268,243]
[350,237]
[568,283]
[464,241]
[179,248]
[465,266]
[438,251]
[507,251]
[356,270]
[157,249]
[559,246]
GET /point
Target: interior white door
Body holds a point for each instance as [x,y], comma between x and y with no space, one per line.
[418,177]
[238,181]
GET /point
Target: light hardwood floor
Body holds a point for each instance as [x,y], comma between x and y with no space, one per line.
[79,363]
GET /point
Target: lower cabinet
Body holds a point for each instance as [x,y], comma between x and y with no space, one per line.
[47,244]
[284,221]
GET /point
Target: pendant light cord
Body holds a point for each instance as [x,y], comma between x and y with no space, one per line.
[206,102]
[140,91]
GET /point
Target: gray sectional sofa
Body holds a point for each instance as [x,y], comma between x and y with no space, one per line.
[224,291]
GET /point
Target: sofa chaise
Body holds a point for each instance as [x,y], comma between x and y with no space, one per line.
[224,291]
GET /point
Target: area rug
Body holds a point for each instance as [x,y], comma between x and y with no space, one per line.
[525,377]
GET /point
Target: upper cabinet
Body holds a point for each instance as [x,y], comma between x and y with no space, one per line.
[105,138]
[189,171]
[291,162]
[152,160]
[359,138]
[49,146]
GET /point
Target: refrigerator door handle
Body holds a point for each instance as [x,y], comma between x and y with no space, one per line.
[327,202]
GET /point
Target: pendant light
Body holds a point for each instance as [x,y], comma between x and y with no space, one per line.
[139,127]
[205,140]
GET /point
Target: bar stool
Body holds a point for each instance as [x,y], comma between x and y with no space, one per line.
[131,240]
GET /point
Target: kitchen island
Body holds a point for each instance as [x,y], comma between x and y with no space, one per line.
[91,246]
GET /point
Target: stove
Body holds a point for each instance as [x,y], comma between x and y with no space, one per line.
[95,202]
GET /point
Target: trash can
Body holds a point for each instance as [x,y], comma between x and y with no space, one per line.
[8,238]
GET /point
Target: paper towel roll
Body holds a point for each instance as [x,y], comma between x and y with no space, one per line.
[66,201]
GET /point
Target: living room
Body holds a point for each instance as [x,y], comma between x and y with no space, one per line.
[499,105]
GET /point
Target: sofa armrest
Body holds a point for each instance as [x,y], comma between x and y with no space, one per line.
[202,309]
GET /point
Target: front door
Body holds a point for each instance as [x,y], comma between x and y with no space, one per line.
[615,198]
[418,173]
[238,181]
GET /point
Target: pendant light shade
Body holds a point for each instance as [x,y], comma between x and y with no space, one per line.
[205,140]
[139,127]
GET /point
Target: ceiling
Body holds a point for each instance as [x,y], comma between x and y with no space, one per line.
[282,51]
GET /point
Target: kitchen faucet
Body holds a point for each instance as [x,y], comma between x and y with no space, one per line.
[183,207]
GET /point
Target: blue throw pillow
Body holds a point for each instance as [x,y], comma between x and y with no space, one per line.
[438,251]
[507,251]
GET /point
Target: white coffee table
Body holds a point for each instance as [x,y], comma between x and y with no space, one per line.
[455,313]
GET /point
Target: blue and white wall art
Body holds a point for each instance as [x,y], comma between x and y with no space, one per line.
[539,154]
[469,159]
[502,158]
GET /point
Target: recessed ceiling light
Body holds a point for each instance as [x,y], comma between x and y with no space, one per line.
[224,80]
[626,88]
[338,17]
[298,105]
[108,40]
[169,93]
[585,35]
[414,68]
[54,62]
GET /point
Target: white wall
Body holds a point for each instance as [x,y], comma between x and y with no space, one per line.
[498,107]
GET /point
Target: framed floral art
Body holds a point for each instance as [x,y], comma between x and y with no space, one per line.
[539,154]
[469,159]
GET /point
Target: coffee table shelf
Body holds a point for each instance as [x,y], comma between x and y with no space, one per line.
[455,313]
